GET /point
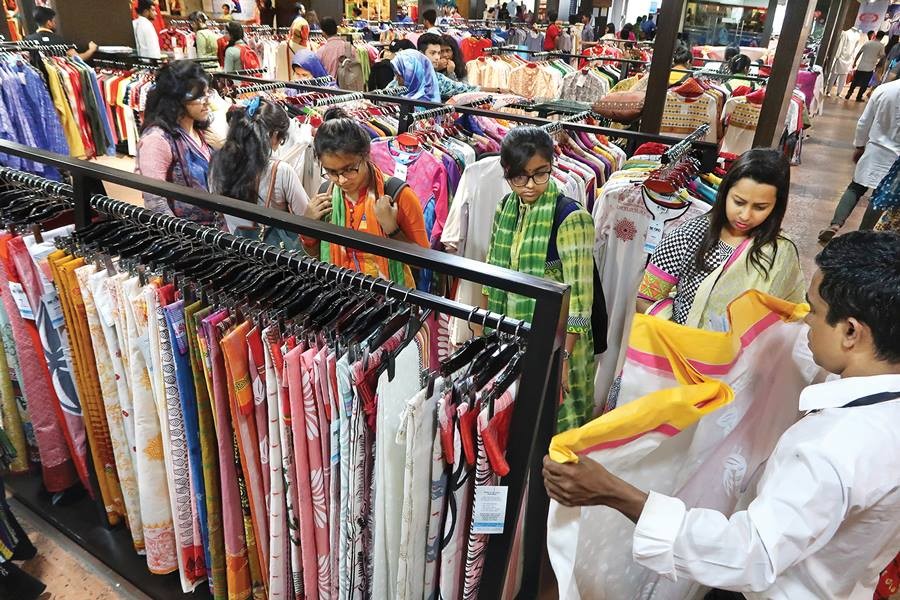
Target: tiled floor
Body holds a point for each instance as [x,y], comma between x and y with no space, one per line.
[816,185]
[69,572]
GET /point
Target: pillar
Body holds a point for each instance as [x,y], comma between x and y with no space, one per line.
[668,26]
[838,10]
[106,23]
[767,26]
[791,43]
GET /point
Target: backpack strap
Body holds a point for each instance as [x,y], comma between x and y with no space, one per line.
[565,206]
[393,187]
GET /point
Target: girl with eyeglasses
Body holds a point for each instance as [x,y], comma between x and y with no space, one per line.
[355,192]
[173,146]
[537,230]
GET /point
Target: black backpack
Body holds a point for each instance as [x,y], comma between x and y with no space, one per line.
[599,317]
[392,187]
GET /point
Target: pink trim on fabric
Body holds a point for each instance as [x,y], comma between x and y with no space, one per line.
[660,306]
[661,363]
[736,254]
[657,272]
[666,429]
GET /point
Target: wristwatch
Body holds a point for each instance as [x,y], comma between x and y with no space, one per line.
[394,232]
[565,354]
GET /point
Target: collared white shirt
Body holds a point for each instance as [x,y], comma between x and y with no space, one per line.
[878,130]
[826,519]
[146,42]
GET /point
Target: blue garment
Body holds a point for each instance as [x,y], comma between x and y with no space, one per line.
[307,60]
[185,379]
[418,75]
[887,194]
[21,118]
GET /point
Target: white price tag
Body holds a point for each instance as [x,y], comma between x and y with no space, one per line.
[581,80]
[54,309]
[21,299]
[489,512]
[400,171]
[654,235]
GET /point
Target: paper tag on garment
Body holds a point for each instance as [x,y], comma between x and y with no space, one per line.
[21,299]
[489,513]
[54,309]
[335,441]
[400,171]
[654,235]
[581,80]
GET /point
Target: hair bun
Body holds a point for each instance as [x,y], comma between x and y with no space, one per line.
[335,113]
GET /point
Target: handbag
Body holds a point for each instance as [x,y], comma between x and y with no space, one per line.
[274,236]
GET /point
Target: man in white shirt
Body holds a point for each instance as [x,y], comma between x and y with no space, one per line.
[877,142]
[146,41]
[826,518]
[429,19]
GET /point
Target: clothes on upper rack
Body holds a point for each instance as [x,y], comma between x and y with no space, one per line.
[28,114]
[327,459]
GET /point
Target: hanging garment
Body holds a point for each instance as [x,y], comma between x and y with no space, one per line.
[692,423]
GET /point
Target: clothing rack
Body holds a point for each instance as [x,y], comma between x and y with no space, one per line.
[262,87]
[557,126]
[679,150]
[533,421]
[35,182]
[342,99]
[723,76]
[626,62]
[409,106]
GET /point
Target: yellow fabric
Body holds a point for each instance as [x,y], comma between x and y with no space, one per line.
[12,420]
[87,382]
[64,110]
[697,395]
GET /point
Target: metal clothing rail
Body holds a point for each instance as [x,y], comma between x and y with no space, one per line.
[680,149]
[718,75]
[408,106]
[533,421]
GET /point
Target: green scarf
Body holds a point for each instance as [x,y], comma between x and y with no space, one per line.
[396,270]
[532,237]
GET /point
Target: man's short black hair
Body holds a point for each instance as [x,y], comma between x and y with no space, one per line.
[552,16]
[42,14]
[329,26]
[861,279]
[144,5]
[428,39]
[429,16]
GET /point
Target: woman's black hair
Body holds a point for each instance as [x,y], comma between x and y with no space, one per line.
[235,32]
[340,134]
[520,145]
[178,82]
[739,64]
[235,170]
[762,165]
[610,28]
[682,55]
[459,62]
[198,16]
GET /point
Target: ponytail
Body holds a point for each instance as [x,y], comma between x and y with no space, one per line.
[236,168]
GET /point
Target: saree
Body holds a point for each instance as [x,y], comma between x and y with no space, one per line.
[699,413]
[737,275]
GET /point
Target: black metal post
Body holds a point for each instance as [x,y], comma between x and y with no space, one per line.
[83,187]
[826,59]
[663,48]
[767,26]
[791,43]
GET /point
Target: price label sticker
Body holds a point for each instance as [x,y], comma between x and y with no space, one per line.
[654,235]
[489,512]
[400,171]
[54,309]
[582,79]
[21,299]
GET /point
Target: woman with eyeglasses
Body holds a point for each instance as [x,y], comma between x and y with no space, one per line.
[359,197]
[173,147]
[539,231]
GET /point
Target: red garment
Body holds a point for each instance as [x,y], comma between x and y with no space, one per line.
[550,37]
[470,48]
[889,584]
